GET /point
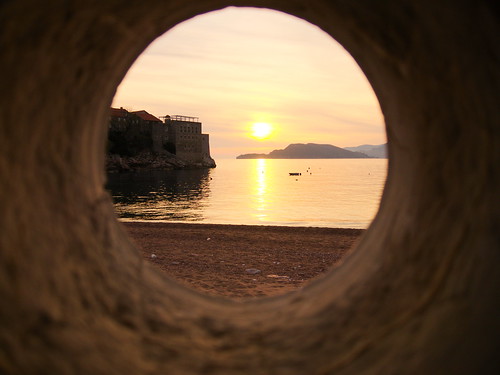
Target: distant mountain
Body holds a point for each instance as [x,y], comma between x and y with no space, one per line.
[307,151]
[253,156]
[373,151]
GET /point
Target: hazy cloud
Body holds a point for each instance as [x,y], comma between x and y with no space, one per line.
[243,65]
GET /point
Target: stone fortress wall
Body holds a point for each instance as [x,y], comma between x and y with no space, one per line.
[185,135]
[179,135]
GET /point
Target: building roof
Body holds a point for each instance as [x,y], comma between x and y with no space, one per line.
[118,112]
[146,116]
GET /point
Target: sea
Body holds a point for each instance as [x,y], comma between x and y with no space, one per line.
[333,193]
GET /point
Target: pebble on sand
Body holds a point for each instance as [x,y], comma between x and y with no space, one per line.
[252,271]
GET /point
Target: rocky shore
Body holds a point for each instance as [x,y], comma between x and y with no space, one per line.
[149,160]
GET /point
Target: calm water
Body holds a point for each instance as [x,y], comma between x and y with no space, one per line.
[342,193]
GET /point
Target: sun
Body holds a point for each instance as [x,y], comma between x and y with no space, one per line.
[261,130]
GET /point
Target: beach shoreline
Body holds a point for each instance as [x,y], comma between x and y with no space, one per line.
[241,261]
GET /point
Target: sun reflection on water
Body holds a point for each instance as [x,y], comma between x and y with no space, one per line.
[342,193]
[260,189]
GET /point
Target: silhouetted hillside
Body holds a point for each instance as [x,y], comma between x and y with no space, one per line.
[373,151]
[307,151]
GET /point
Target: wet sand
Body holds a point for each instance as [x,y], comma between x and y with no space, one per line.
[241,261]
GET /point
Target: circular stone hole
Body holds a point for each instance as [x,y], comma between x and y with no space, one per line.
[255,80]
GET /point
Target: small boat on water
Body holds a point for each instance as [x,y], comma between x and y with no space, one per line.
[295,174]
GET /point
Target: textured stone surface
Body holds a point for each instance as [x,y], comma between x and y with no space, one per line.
[420,294]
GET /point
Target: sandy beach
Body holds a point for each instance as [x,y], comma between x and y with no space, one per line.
[241,261]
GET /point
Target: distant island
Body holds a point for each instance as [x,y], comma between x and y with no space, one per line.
[373,151]
[315,151]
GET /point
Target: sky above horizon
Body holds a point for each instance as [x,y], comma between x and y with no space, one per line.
[238,67]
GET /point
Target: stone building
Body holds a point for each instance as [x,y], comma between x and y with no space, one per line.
[155,128]
[132,132]
[186,138]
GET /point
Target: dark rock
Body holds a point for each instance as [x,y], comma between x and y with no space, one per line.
[149,160]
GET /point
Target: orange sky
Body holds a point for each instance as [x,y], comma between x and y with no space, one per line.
[238,66]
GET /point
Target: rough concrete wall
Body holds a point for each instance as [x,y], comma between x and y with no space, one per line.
[419,295]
